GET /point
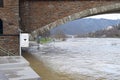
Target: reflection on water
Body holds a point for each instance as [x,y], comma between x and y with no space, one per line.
[44,72]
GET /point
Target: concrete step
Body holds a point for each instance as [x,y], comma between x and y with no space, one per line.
[13,61]
[20,73]
[16,68]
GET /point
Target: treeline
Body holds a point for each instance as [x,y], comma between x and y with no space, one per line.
[111,31]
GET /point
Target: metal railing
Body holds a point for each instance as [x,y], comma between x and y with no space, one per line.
[5,52]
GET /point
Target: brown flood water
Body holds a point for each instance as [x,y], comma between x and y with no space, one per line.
[44,72]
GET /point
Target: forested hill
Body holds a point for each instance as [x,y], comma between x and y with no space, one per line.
[110,31]
[83,26]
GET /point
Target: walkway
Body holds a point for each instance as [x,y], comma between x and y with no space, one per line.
[16,68]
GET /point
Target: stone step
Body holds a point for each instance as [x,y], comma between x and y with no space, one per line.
[20,73]
[13,61]
[16,68]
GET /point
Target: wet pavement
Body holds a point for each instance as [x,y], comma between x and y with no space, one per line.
[16,68]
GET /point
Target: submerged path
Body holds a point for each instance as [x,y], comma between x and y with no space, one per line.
[42,70]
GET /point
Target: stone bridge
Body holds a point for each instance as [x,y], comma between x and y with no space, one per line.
[40,16]
[36,16]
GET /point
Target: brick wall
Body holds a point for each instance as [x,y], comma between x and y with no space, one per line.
[10,44]
[38,13]
[9,14]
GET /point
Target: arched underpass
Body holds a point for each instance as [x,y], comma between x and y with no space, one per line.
[94,65]
[114,8]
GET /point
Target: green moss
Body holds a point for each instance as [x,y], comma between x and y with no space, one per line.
[45,40]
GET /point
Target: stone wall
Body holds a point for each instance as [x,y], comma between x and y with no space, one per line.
[9,14]
[9,44]
[38,13]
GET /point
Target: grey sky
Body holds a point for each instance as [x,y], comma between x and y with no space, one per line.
[107,16]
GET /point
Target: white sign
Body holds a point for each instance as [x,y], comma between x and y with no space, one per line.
[24,40]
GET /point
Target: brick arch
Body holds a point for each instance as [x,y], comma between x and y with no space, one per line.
[85,13]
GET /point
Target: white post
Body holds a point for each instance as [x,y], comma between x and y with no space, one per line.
[24,41]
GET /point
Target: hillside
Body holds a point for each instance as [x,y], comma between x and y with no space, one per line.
[83,26]
[110,31]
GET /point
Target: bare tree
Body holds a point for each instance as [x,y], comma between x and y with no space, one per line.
[59,34]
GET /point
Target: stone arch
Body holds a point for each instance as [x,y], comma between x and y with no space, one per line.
[1,27]
[85,13]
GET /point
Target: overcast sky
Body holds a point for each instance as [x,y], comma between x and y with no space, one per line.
[107,16]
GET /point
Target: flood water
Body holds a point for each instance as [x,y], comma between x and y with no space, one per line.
[77,59]
[44,72]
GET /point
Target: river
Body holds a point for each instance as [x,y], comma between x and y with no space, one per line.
[44,72]
[77,59]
